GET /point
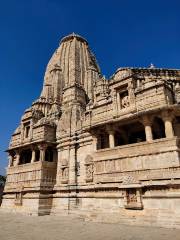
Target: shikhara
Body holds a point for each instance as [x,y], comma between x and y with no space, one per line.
[98,147]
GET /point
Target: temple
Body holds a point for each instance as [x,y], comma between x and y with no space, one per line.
[105,149]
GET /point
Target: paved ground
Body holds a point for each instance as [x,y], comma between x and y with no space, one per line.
[20,227]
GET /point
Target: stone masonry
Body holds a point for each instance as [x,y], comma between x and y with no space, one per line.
[105,149]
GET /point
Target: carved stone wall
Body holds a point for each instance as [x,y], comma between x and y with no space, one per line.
[98,146]
[89,168]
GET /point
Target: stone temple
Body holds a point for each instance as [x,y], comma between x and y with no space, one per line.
[105,149]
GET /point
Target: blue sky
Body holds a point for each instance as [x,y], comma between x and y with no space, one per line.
[120,33]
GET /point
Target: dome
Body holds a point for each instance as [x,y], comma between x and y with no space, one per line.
[73,62]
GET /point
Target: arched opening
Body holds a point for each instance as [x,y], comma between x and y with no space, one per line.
[130,133]
[103,141]
[25,156]
[158,128]
[136,133]
[49,154]
[119,138]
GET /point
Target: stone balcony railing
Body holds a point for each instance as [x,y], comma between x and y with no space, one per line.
[107,114]
[141,159]
[44,132]
[39,133]
[15,140]
[31,175]
[137,149]
[30,167]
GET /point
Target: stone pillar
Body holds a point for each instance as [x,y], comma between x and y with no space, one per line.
[111,139]
[22,133]
[115,105]
[95,141]
[168,118]
[148,129]
[131,93]
[138,83]
[72,166]
[31,130]
[110,130]
[42,149]
[139,199]
[59,165]
[10,157]
[17,158]
[33,158]
[138,195]
[118,102]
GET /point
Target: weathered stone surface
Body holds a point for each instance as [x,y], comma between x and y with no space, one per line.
[107,149]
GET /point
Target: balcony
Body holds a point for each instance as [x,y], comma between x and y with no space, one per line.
[45,132]
[31,176]
[39,133]
[143,161]
[15,140]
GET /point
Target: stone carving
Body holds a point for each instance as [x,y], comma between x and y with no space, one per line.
[89,168]
[116,127]
[131,196]
[19,195]
[18,199]
[37,114]
[125,102]
[133,199]
[122,73]
[64,171]
[89,172]
[129,179]
[64,123]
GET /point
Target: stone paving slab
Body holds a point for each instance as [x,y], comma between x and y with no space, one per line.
[21,227]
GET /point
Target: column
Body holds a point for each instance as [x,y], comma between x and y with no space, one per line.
[10,157]
[138,195]
[59,164]
[111,139]
[22,132]
[33,158]
[72,165]
[139,199]
[118,101]
[110,131]
[115,106]
[138,83]
[42,149]
[31,130]
[95,140]
[168,118]
[148,128]
[17,158]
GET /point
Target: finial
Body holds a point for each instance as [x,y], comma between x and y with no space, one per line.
[151,65]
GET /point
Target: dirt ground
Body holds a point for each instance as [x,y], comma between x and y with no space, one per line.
[21,227]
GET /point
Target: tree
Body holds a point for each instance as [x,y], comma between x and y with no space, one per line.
[2,180]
